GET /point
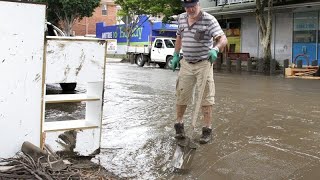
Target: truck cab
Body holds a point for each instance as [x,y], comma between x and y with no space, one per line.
[160,52]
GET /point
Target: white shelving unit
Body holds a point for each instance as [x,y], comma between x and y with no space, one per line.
[69,98]
[76,60]
[68,125]
[93,99]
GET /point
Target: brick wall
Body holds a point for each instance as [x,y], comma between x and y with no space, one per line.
[89,24]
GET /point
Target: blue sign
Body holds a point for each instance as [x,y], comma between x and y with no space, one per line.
[143,31]
[305,52]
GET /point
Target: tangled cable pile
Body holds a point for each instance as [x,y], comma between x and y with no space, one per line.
[23,166]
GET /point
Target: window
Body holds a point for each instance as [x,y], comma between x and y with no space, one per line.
[305,27]
[158,43]
[168,43]
[104,10]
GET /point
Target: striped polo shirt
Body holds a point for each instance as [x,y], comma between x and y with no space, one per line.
[197,39]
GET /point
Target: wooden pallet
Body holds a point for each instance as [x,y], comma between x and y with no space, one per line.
[304,77]
[303,73]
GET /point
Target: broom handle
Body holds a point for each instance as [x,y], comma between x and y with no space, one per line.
[201,92]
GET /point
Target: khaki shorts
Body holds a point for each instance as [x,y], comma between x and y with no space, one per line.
[191,75]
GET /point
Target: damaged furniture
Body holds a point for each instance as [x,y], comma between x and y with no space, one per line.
[308,72]
[80,60]
[28,62]
[21,74]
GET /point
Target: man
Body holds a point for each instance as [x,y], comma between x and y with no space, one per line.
[201,38]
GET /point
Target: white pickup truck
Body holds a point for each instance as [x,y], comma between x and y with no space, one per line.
[161,52]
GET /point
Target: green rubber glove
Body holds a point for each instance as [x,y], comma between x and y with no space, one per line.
[213,54]
[175,61]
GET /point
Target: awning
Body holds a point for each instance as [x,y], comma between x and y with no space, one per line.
[244,8]
[159,26]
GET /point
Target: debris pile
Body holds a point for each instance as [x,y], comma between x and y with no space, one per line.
[309,72]
[317,73]
[35,163]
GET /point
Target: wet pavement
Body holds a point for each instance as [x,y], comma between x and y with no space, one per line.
[264,127]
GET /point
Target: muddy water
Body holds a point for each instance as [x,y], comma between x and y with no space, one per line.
[264,127]
[137,140]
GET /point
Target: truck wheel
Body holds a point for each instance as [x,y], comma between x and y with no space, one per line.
[140,60]
[68,86]
[168,64]
[146,60]
[162,65]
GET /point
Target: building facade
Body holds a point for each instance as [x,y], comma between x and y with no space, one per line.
[295,28]
[106,12]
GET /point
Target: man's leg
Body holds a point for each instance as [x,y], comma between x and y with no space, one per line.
[207,100]
[207,116]
[207,123]
[184,87]
[179,126]
[180,112]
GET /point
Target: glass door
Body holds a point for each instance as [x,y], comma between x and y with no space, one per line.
[318,52]
[305,37]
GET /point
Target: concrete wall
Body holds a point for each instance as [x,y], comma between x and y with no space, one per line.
[207,3]
[283,23]
[249,35]
[281,45]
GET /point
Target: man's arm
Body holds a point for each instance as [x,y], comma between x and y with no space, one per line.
[177,46]
[176,55]
[221,42]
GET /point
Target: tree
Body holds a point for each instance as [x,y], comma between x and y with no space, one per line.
[67,12]
[168,8]
[135,12]
[132,11]
[265,27]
